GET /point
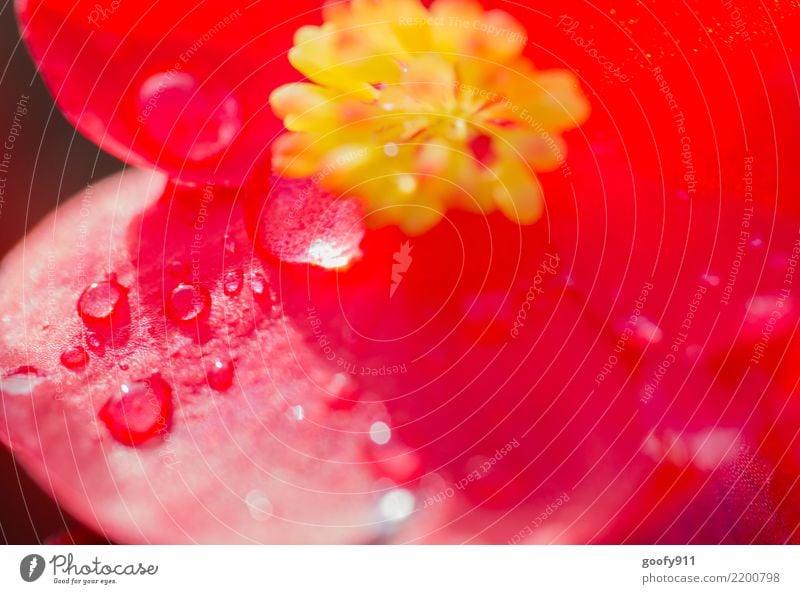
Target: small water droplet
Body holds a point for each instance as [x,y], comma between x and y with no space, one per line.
[298,413]
[258,284]
[390,149]
[396,505]
[259,505]
[187,302]
[230,246]
[757,242]
[711,279]
[124,366]
[232,282]
[140,411]
[380,433]
[100,300]
[648,332]
[21,381]
[75,358]
[94,340]
[220,376]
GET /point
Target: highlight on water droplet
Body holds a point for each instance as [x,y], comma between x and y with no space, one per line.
[187,302]
[396,505]
[100,300]
[380,433]
[220,375]
[75,358]
[139,412]
[258,284]
[298,222]
[20,381]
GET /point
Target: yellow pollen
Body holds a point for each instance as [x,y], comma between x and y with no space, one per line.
[418,110]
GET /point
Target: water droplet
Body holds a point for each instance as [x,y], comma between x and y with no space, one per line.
[232,282]
[300,223]
[298,413]
[124,366]
[259,505]
[220,376]
[94,340]
[380,433]
[711,279]
[396,505]
[757,242]
[406,184]
[187,302]
[390,149]
[187,118]
[140,411]
[100,300]
[647,332]
[75,358]
[21,381]
[258,284]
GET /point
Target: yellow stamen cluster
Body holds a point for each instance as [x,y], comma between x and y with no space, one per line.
[416,110]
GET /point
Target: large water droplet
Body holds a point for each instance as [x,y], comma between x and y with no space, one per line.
[187,119]
[99,301]
[220,376]
[75,358]
[232,282]
[298,222]
[21,381]
[187,302]
[140,411]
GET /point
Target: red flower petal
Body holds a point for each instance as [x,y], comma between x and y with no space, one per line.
[179,85]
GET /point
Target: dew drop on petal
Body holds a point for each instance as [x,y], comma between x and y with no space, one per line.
[100,300]
[258,284]
[259,505]
[647,332]
[299,223]
[220,375]
[711,280]
[140,411]
[298,413]
[20,381]
[396,505]
[75,358]
[187,119]
[380,433]
[232,282]
[187,302]
[94,340]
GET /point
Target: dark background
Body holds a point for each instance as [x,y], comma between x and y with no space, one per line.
[50,162]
